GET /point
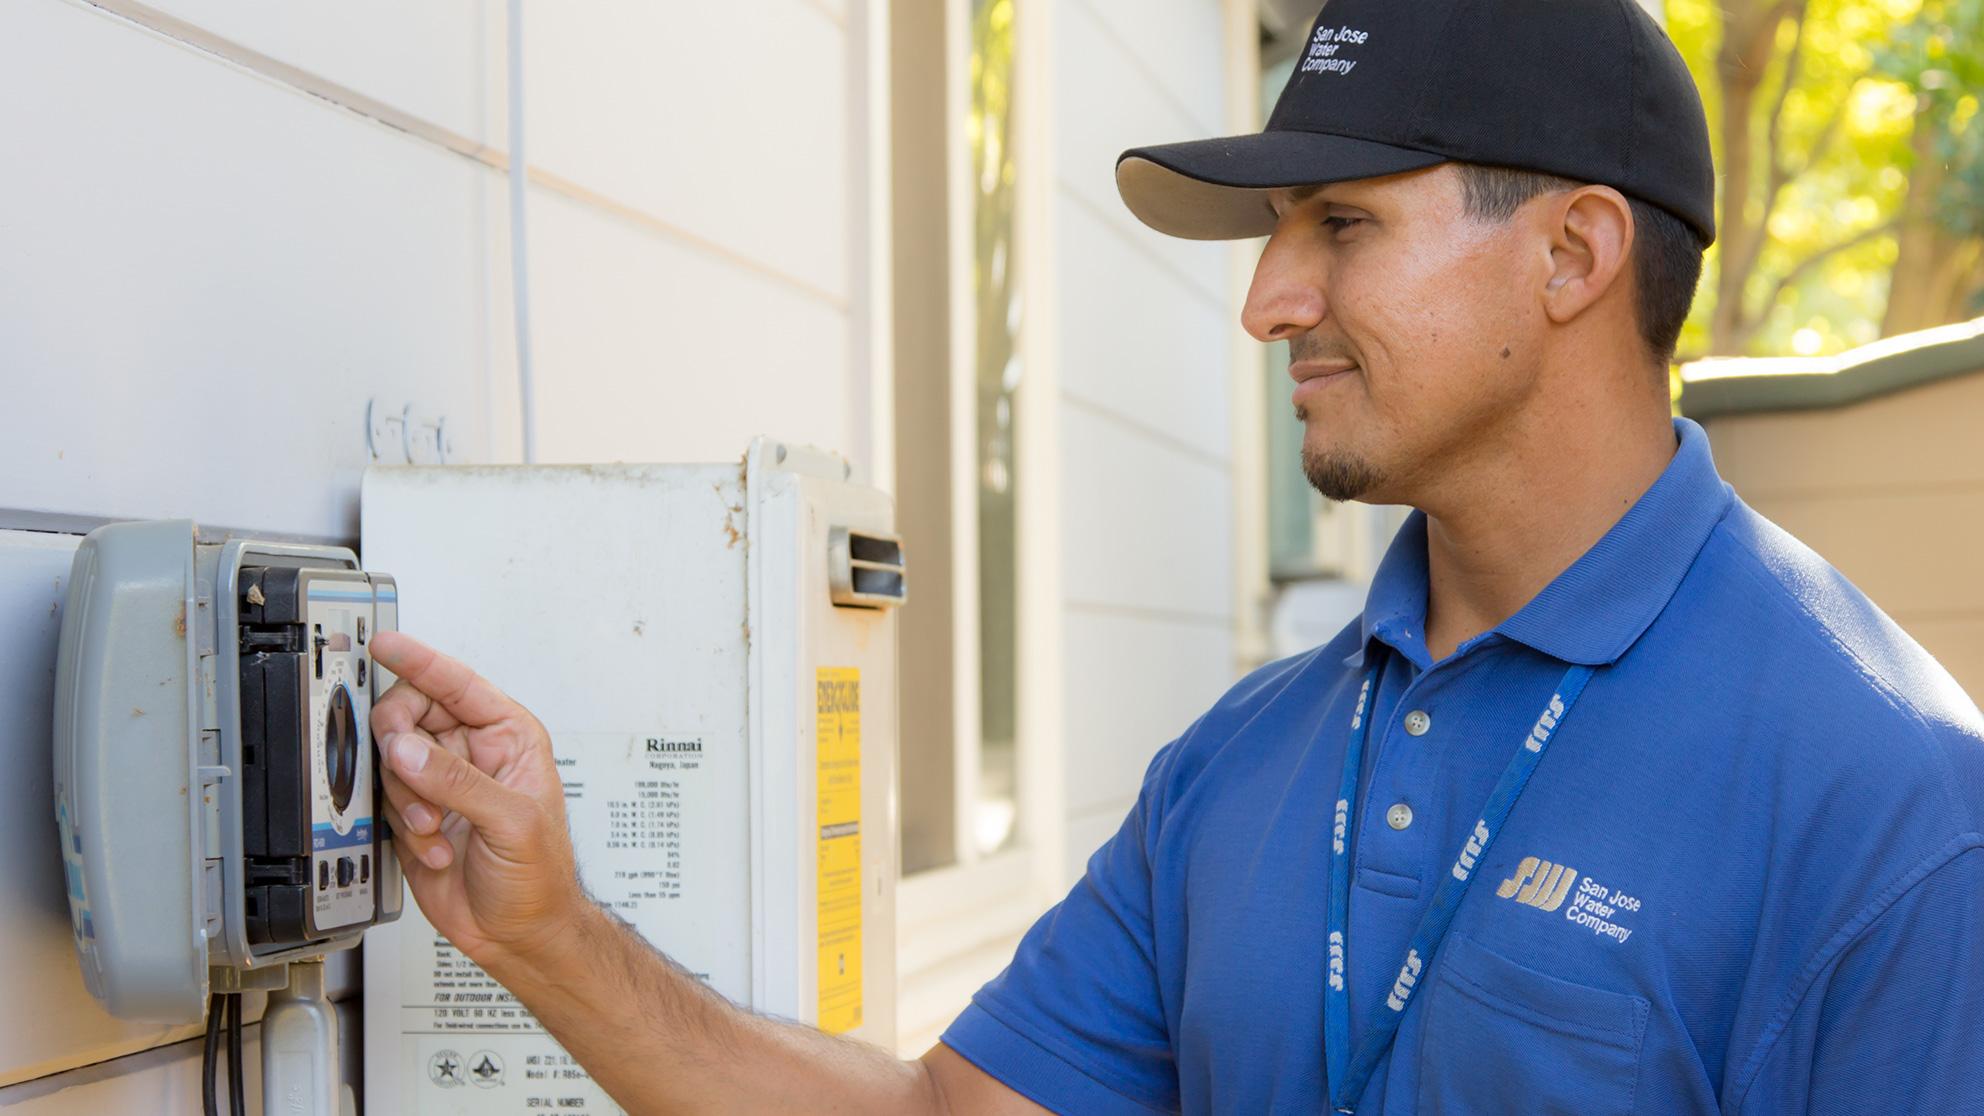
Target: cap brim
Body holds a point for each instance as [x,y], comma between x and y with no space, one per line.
[1217,189]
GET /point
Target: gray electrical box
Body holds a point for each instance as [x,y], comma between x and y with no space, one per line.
[214,774]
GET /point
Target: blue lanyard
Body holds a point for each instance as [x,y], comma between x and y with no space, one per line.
[1348,1074]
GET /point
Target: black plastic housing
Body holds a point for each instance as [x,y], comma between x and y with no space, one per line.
[276,659]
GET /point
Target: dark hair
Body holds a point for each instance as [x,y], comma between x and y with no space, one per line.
[1667,258]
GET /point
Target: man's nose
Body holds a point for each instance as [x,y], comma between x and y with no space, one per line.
[1286,299]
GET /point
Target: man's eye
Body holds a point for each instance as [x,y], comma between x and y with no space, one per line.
[1338,223]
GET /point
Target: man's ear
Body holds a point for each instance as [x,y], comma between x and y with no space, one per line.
[1591,232]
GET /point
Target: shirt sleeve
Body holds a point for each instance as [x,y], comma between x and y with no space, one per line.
[1075,1022]
[1897,1024]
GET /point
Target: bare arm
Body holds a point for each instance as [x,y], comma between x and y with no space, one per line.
[478,809]
[663,1042]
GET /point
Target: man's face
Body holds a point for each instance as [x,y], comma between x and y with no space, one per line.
[1411,327]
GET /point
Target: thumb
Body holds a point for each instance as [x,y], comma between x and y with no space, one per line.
[451,782]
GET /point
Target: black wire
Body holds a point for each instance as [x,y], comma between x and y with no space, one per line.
[237,1100]
[209,1101]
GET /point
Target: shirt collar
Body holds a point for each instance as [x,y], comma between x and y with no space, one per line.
[1598,607]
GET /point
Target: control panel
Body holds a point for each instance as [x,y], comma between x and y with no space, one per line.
[214,772]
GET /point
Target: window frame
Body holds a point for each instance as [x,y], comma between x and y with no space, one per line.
[1004,879]
[956,923]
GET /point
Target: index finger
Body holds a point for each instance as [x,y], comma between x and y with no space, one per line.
[466,695]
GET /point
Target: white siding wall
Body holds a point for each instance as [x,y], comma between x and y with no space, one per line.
[1140,340]
[1147,452]
[226,225]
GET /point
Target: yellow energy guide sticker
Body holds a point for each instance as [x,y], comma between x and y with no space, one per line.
[838,738]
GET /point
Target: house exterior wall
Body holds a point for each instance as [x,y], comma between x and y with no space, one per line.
[230,224]
[234,224]
[1890,491]
[1139,522]
[1145,409]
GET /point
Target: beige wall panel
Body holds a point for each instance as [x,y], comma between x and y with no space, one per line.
[1175,44]
[1139,340]
[834,10]
[1928,435]
[1912,552]
[1089,830]
[1142,681]
[48,1022]
[160,1082]
[1144,524]
[650,350]
[730,120]
[941,992]
[206,276]
[1957,642]
[1105,103]
[440,60]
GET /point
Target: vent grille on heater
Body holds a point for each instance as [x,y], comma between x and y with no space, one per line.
[865,570]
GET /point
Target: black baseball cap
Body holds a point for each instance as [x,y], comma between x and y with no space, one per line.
[1591,90]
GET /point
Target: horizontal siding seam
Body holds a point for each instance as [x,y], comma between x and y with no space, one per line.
[1133,234]
[1138,428]
[426,131]
[1112,810]
[838,19]
[1154,80]
[1222,621]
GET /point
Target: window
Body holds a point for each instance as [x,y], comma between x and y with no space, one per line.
[958,322]
[996,300]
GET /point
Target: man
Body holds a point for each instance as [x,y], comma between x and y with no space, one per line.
[1616,799]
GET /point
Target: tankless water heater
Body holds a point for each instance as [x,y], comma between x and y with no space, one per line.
[713,649]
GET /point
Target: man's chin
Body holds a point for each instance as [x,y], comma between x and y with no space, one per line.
[1340,476]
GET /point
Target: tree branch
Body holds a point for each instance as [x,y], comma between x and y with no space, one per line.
[1780,171]
[1800,269]
[1774,132]
[1830,130]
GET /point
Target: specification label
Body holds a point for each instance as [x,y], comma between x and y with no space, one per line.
[636,804]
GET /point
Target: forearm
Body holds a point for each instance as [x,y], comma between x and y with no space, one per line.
[659,1041]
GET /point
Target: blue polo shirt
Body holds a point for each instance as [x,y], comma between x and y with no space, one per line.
[1748,876]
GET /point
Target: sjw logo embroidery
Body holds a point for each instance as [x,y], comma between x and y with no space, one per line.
[1539,883]
[1408,977]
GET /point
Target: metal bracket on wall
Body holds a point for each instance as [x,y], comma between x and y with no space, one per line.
[403,438]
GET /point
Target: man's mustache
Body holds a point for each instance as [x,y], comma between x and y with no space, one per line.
[1318,348]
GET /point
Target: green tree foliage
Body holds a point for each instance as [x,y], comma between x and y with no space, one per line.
[1849,160]
[1940,273]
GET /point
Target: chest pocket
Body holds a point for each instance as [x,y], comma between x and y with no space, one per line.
[1502,1037]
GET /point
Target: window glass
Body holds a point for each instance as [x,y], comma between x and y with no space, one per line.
[996,373]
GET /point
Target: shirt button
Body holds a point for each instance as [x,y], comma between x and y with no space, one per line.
[1417,722]
[1399,816]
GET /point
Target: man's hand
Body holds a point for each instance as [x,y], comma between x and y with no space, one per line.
[478,815]
[476,805]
